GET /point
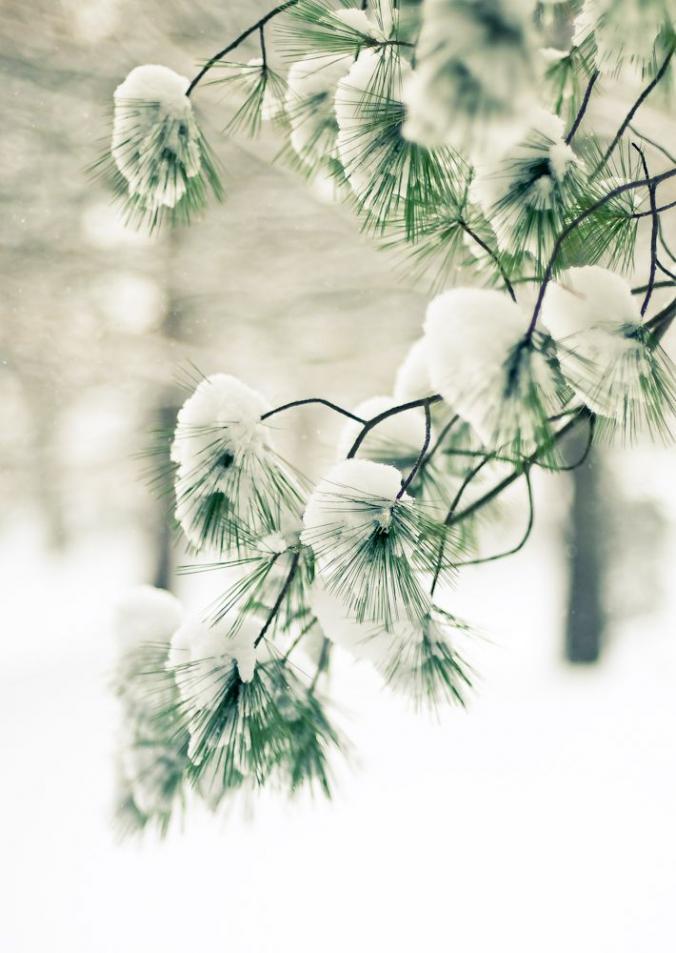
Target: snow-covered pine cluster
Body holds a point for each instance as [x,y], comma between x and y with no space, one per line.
[460,136]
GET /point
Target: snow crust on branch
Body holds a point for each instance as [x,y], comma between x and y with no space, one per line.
[469,333]
[377,23]
[588,297]
[366,641]
[365,88]
[586,310]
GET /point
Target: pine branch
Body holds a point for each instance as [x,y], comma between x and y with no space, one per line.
[656,145]
[280,598]
[313,400]
[491,253]
[399,409]
[653,233]
[524,539]
[426,442]
[583,107]
[660,210]
[662,321]
[516,473]
[445,430]
[563,235]
[258,25]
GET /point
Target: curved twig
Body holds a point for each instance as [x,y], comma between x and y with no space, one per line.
[632,112]
[280,598]
[418,463]
[493,255]
[583,107]
[563,235]
[653,232]
[313,400]
[399,409]
[258,25]
[522,542]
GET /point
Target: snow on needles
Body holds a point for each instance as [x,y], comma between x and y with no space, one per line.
[586,310]
[156,141]
[220,407]
[469,333]
[354,494]
[201,652]
[359,95]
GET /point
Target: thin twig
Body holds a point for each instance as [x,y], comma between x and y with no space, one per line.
[662,208]
[258,25]
[651,142]
[456,500]
[493,255]
[313,400]
[640,289]
[445,430]
[632,112]
[653,232]
[421,456]
[665,270]
[516,473]
[563,235]
[660,323]
[522,542]
[399,409]
[583,107]
[264,54]
[321,663]
[280,598]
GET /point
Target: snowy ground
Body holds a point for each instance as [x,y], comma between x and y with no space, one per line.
[541,820]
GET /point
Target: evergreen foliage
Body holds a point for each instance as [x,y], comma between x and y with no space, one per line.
[469,152]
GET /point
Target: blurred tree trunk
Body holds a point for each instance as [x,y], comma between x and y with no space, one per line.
[586,618]
[46,467]
[165,421]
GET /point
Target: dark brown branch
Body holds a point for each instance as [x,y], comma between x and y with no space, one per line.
[280,598]
[653,232]
[526,465]
[440,439]
[258,25]
[493,255]
[583,107]
[632,112]
[522,542]
[418,463]
[662,321]
[399,409]
[313,400]
[662,208]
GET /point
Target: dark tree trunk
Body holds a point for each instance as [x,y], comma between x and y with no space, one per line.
[586,619]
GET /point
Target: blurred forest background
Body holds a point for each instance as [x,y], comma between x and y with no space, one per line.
[97,327]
